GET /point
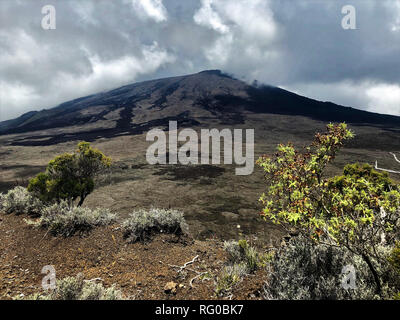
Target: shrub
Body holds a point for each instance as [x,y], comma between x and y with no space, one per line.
[76,288]
[394,257]
[394,262]
[294,181]
[65,220]
[304,270]
[364,170]
[143,223]
[70,176]
[235,253]
[229,277]
[241,252]
[243,259]
[19,200]
[358,210]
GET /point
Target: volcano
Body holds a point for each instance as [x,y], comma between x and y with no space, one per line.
[201,99]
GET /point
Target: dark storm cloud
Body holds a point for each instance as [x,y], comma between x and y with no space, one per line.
[100,44]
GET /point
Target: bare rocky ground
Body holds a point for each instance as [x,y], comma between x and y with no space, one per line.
[213,198]
[140,270]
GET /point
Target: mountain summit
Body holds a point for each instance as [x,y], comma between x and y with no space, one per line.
[197,99]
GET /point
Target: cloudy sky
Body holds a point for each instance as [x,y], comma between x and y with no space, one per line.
[103,44]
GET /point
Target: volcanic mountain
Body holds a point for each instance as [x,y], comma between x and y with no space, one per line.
[213,198]
[201,99]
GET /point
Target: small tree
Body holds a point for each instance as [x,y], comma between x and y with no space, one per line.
[364,214]
[70,176]
[356,210]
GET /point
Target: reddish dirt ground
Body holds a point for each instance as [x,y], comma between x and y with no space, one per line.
[140,270]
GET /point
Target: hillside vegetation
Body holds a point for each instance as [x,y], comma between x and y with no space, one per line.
[342,235]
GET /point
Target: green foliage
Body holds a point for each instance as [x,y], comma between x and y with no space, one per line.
[19,200]
[70,176]
[359,210]
[76,288]
[362,209]
[241,252]
[295,185]
[364,170]
[63,219]
[143,223]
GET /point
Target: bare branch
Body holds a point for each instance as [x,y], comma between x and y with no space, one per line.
[93,280]
[181,268]
[198,276]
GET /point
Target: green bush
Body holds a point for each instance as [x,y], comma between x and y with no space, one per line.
[63,219]
[366,171]
[76,288]
[70,176]
[20,201]
[142,223]
[359,210]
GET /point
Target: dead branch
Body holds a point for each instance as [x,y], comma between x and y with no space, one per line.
[187,263]
[93,280]
[181,268]
[199,274]
[185,267]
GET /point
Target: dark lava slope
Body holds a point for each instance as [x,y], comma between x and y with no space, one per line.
[191,100]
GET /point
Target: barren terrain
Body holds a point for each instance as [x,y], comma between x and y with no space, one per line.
[139,270]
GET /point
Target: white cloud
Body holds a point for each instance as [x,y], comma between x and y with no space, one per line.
[368,95]
[14,98]
[153,9]
[394,7]
[254,18]
[117,71]
[21,48]
[208,17]
[105,74]
[220,51]
[245,29]
[100,45]
[86,11]
[384,98]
